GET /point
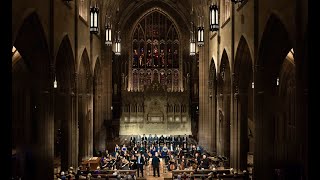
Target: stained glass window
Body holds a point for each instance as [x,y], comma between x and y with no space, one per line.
[156,51]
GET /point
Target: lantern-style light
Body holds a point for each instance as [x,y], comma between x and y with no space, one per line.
[200,32]
[94,20]
[55,83]
[118,44]
[237,1]
[192,42]
[108,32]
[214,18]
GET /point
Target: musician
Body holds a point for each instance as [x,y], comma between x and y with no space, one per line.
[185,138]
[177,150]
[102,162]
[150,140]
[118,164]
[116,148]
[155,164]
[134,149]
[197,159]
[123,149]
[142,149]
[164,153]
[140,162]
[153,150]
[172,163]
[184,149]
[161,140]
[171,148]
[182,163]
[144,140]
[124,163]
[132,140]
[133,162]
[168,140]
[204,162]
[173,140]
[139,140]
[155,140]
[179,140]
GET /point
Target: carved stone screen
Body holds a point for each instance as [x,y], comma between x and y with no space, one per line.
[155,101]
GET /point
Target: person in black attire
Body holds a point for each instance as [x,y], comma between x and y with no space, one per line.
[155,165]
[132,141]
[179,140]
[168,140]
[140,163]
[144,140]
[161,140]
[155,140]
[204,162]
[185,138]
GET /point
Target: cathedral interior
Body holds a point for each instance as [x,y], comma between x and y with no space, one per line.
[231,75]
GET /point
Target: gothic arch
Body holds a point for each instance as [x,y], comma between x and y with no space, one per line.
[224,104]
[85,105]
[99,131]
[242,145]
[31,104]
[271,120]
[64,114]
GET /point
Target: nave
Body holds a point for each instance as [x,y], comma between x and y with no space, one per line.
[231,75]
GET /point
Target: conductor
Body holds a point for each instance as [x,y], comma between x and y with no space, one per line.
[155,164]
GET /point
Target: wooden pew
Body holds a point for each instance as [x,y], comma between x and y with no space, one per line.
[109,173]
[224,174]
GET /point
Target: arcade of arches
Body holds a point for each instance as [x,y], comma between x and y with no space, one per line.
[243,95]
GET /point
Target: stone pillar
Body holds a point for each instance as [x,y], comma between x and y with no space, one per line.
[107,82]
[239,137]
[73,144]
[76,122]
[219,122]
[202,86]
[213,119]
[263,154]
[235,138]
[44,149]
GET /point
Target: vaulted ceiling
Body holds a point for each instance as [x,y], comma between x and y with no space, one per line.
[125,12]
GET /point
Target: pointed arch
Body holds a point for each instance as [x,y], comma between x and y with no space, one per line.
[30,39]
[65,65]
[271,110]
[224,105]
[243,68]
[31,107]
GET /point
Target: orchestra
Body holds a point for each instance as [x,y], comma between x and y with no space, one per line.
[175,152]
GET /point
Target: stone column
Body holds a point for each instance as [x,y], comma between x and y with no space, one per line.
[202,86]
[44,149]
[107,82]
[219,97]
[235,138]
[76,122]
[263,154]
[239,137]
